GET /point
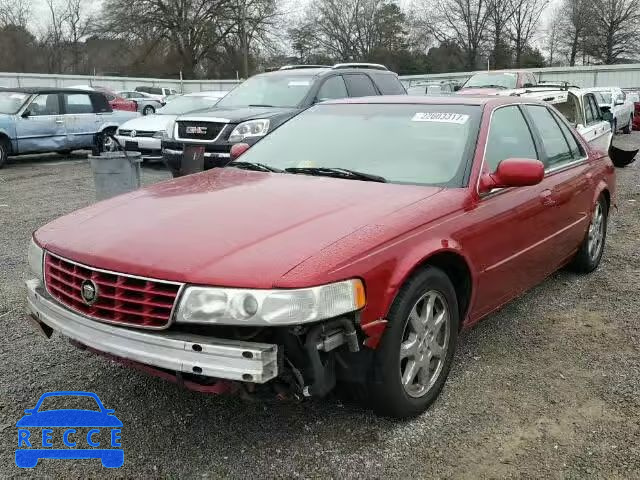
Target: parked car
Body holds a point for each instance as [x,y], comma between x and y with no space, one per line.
[34,120]
[147,104]
[483,83]
[634,96]
[616,101]
[116,101]
[144,134]
[332,254]
[263,102]
[430,88]
[580,108]
[159,93]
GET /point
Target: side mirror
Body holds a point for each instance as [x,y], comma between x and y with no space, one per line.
[513,172]
[238,149]
[456,88]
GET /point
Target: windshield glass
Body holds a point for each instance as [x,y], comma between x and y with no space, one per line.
[414,144]
[604,98]
[487,79]
[10,102]
[187,104]
[277,90]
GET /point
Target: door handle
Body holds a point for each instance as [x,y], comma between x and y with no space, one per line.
[59,121]
[546,197]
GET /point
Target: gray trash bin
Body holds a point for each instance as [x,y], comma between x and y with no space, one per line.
[115,173]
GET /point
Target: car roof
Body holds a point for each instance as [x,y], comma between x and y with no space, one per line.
[480,100]
[34,90]
[316,72]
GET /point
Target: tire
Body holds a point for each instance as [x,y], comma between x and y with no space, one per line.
[107,143]
[5,151]
[629,126]
[148,110]
[587,259]
[387,393]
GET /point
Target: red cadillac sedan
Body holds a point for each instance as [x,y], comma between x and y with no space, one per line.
[347,248]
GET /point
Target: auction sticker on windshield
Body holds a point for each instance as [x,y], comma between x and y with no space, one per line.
[52,429]
[443,117]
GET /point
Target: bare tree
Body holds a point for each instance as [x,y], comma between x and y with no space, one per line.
[617,24]
[574,21]
[524,25]
[465,23]
[500,14]
[193,28]
[552,36]
[14,12]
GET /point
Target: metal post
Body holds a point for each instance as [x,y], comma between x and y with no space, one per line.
[181,83]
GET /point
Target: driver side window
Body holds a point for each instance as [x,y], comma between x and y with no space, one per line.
[509,137]
[333,88]
[45,104]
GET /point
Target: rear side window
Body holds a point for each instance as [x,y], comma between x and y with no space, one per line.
[588,112]
[553,140]
[332,88]
[509,137]
[100,104]
[76,103]
[360,85]
[595,109]
[576,150]
[388,84]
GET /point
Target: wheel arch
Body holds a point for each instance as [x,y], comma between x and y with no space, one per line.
[457,267]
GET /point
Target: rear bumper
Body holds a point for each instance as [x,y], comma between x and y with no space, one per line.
[175,351]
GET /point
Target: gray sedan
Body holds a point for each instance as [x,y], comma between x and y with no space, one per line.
[147,104]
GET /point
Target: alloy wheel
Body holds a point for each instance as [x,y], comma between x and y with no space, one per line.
[596,232]
[424,344]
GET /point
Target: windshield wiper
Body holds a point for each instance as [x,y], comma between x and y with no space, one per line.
[258,167]
[261,105]
[336,172]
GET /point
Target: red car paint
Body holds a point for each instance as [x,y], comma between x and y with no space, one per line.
[230,227]
[636,116]
[117,102]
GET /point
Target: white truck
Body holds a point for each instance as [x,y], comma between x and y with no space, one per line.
[615,99]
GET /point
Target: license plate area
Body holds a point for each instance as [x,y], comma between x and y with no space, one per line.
[192,159]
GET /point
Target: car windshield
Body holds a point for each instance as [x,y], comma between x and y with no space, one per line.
[412,144]
[65,402]
[10,102]
[487,79]
[186,104]
[277,90]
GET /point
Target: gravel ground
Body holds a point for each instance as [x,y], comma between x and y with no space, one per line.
[549,387]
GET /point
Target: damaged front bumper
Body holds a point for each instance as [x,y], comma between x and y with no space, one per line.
[174,351]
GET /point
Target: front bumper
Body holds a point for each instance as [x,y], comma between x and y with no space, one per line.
[150,148]
[175,351]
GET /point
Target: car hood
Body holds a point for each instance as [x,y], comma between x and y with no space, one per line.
[479,91]
[225,226]
[69,418]
[150,123]
[240,114]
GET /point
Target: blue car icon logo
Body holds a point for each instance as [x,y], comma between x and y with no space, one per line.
[69,433]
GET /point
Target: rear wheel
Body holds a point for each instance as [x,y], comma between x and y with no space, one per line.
[148,110]
[415,355]
[5,150]
[590,253]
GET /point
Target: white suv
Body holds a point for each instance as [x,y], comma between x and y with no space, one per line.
[616,100]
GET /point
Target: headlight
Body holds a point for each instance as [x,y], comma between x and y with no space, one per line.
[235,306]
[161,134]
[35,256]
[252,128]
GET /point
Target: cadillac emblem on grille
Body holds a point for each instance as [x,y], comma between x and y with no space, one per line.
[89,292]
[196,130]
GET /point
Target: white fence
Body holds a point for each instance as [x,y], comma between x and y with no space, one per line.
[624,76]
[114,83]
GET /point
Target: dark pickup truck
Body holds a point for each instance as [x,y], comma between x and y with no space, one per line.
[264,102]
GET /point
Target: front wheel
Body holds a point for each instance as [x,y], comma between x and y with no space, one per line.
[590,252]
[148,110]
[415,355]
